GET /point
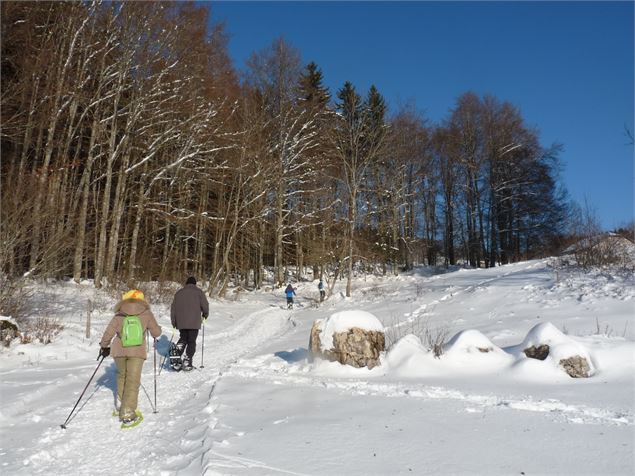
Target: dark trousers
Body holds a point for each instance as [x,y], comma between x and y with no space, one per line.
[187,339]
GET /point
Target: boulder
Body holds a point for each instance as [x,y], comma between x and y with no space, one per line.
[576,366]
[359,347]
[314,340]
[8,331]
[350,338]
[539,352]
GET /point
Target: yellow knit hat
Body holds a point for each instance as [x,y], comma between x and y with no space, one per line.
[133,294]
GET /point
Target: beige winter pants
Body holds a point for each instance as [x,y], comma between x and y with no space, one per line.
[128,382]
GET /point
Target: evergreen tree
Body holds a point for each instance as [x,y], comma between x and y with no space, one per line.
[376,109]
[350,105]
[312,90]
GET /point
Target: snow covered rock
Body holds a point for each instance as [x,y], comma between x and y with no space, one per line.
[314,339]
[576,366]
[470,341]
[545,342]
[473,352]
[537,352]
[8,331]
[353,338]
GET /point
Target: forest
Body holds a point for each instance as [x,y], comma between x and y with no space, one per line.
[134,150]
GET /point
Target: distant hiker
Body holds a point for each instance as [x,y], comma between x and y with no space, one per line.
[188,306]
[322,291]
[127,331]
[290,292]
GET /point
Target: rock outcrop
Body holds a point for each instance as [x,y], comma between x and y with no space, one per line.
[347,343]
[8,331]
[576,366]
[539,352]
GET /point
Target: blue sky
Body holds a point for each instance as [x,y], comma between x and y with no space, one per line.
[568,66]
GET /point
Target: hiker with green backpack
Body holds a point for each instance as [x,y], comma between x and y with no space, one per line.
[127,331]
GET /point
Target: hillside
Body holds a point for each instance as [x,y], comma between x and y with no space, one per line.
[258,407]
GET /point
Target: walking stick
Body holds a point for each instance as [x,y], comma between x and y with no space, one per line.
[203,346]
[80,397]
[155,377]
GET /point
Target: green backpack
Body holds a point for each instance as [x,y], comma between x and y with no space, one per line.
[131,331]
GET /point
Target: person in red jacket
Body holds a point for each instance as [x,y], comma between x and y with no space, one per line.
[188,306]
[129,360]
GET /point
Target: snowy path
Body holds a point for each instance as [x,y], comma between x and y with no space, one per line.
[176,439]
[453,287]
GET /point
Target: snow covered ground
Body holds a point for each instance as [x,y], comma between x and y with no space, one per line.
[258,407]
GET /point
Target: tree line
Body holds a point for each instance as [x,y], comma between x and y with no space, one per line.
[133,150]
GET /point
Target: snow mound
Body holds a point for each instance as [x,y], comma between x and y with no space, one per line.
[473,351]
[544,333]
[468,353]
[560,345]
[470,341]
[343,321]
[408,355]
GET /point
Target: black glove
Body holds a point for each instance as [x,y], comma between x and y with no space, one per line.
[104,352]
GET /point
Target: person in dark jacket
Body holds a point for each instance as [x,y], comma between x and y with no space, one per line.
[322,290]
[188,306]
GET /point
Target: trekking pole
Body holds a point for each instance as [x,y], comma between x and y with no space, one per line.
[203,346]
[85,388]
[155,377]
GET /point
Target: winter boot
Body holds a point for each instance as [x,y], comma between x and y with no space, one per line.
[130,421]
[176,350]
[187,364]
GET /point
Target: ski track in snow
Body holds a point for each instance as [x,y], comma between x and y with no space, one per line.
[455,291]
[259,369]
[182,432]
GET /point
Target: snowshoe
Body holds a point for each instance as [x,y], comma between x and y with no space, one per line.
[132,422]
[176,350]
[187,364]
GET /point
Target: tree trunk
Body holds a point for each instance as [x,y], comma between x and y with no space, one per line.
[83,211]
[352,218]
[105,204]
